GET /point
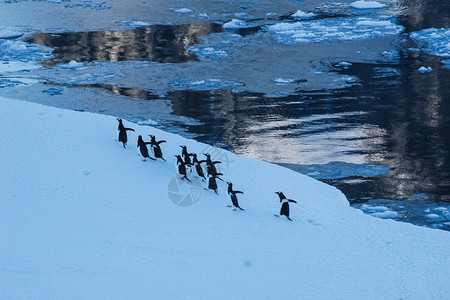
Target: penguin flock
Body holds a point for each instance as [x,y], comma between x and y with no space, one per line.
[188,164]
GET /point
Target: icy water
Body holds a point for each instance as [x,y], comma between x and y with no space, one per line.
[347,106]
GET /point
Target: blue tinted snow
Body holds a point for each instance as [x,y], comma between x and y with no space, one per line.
[333,29]
[434,41]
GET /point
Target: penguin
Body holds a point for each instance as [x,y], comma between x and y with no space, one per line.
[211,168]
[198,167]
[155,147]
[212,184]
[143,148]
[285,204]
[186,155]
[181,168]
[123,133]
[233,196]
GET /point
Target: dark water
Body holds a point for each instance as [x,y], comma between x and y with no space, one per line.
[161,43]
[396,116]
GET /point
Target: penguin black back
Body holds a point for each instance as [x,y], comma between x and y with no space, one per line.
[123,133]
[143,148]
[284,205]
[157,152]
[233,196]
[181,168]
[212,183]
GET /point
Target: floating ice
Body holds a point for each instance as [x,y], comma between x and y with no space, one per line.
[9,34]
[72,65]
[236,24]
[209,52]
[90,5]
[366,4]
[338,169]
[433,41]
[283,80]
[18,51]
[446,64]
[134,24]
[344,64]
[382,212]
[333,29]
[209,84]
[303,15]
[203,16]
[181,10]
[423,69]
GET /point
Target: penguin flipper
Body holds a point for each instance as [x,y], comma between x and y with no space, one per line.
[238,192]
[162,141]
[131,129]
[293,201]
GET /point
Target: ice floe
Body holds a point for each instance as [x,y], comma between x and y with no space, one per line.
[208,52]
[208,84]
[424,69]
[183,10]
[236,24]
[338,169]
[12,50]
[9,34]
[325,30]
[299,14]
[434,41]
[366,5]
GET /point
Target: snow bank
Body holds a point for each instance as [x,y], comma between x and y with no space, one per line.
[83,218]
[434,41]
[333,29]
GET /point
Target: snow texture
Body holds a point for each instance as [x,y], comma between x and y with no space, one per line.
[434,41]
[83,218]
[323,30]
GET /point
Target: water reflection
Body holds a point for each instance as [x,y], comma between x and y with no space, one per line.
[160,43]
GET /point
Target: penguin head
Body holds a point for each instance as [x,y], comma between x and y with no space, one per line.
[120,120]
[230,184]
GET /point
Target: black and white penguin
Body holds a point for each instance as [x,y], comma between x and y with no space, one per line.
[155,147]
[123,133]
[284,204]
[186,155]
[143,148]
[212,183]
[181,167]
[233,196]
[211,168]
[198,166]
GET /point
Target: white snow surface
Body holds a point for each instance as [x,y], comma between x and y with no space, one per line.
[366,4]
[83,218]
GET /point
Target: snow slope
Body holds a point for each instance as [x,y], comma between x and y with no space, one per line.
[83,218]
